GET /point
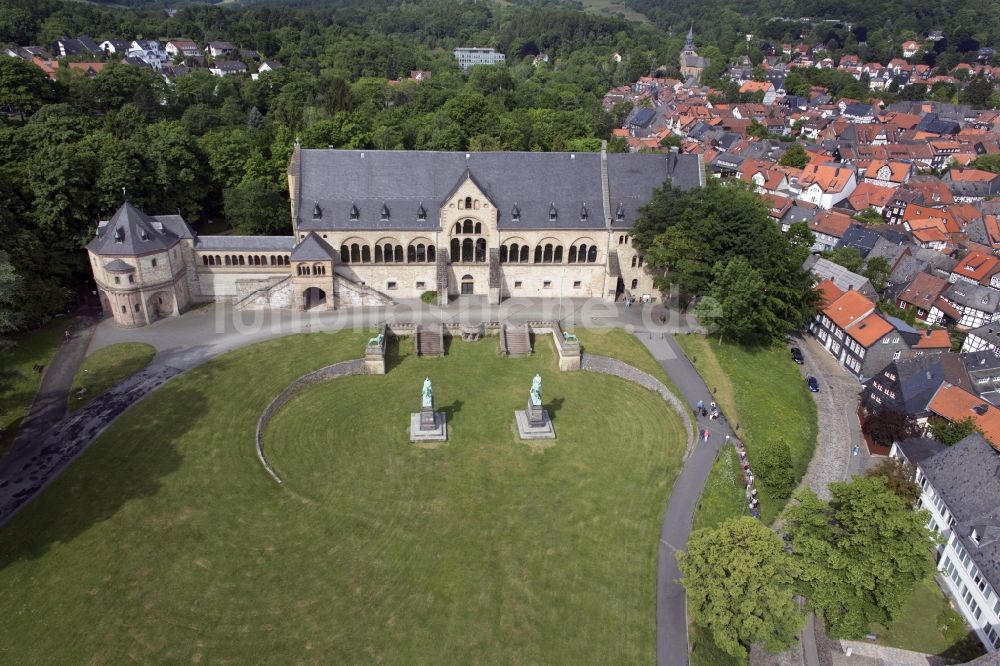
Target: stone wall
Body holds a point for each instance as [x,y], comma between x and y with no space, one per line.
[343,369]
[263,295]
[222,283]
[611,366]
[350,294]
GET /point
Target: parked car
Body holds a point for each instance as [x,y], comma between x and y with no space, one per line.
[797,355]
[813,384]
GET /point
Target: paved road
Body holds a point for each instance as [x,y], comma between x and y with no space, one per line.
[671,601]
[50,403]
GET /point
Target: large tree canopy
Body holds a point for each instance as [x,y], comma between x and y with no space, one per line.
[861,554]
[739,583]
[719,241]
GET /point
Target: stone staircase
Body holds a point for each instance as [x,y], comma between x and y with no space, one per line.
[442,275]
[429,340]
[515,340]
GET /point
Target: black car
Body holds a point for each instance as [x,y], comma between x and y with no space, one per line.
[813,384]
[797,355]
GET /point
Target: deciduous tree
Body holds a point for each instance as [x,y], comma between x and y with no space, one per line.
[739,579]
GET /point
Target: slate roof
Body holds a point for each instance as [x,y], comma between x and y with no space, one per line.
[131,232]
[975,296]
[245,243]
[403,181]
[861,237]
[919,449]
[312,248]
[824,269]
[967,477]
[118,266]
[919,378]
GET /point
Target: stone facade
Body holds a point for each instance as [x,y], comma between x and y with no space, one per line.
[493,225]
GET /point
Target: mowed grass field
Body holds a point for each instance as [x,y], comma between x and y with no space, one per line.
[107,367]
[167,542]
[763,394]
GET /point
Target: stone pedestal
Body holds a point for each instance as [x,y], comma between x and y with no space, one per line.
[534,422]
[428,426]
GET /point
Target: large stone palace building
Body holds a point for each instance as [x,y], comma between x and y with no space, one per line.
[370,227]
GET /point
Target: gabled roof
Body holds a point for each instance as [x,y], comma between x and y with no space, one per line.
[828,292]
[843,278]
[828,177]
[977,266]
[955,403]
[849,309]
[336,180]
[923,291]
[830,223]
[974,296]
[131,232]
[312,248]
[936,338]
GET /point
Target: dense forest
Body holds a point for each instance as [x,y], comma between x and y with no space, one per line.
[216,149]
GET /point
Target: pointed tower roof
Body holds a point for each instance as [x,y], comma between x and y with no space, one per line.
[689,41]
[312,248]
[131,232]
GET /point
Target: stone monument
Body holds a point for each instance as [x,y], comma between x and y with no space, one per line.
[428,425]
[534,422]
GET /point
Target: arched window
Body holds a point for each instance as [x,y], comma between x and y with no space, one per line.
[581,253]
[204,260]
[635,284]
[411,254]
[355,253]
[547,253]
[421,252]
[591,254]
[227,260]
[218,260]
[242,262]
[256,260]
[513,256]
[467,249]
[635,261]
[387,253]
[458,229]
[557,257]
[572,254]
[467,227]
[640,261]
[524,254]
[319,269]
[456,245]
[538,254]
[399,254]
[481,250]
[366,254]
[286,260]
[621,240]
[479,227]
[503,254]
[345,254]
[468,202]
[378,254]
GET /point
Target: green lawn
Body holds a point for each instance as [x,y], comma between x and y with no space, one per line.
[107,367]
[167,542]
[618,344]
[930,625]
[764,396]
[724,494]
[36,347]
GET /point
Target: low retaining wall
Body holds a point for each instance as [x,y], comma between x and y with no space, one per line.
[343,369]
[611,366]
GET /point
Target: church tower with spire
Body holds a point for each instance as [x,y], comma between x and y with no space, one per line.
[692,65]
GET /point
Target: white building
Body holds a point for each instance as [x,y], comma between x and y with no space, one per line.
[149,51]
[961,490]
[469,56]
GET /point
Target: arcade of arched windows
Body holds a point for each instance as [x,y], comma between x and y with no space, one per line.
[518,252]
[466,228]
[244,260]
[386,252]
[313,269]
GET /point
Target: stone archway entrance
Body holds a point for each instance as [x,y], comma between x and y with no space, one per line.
[106,310]
[467,285]
[313,297]
[160,304]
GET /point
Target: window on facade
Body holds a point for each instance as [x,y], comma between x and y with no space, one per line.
[136,307]
[896,354]
[421,285]
[517,284]
[547,284]
[131,279]
[124,310]
[153,263]
[118,280]
[577,284]
[390,285]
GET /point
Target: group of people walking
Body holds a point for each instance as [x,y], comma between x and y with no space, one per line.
[712,412]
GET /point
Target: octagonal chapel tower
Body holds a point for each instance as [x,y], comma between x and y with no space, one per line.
[140,265]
